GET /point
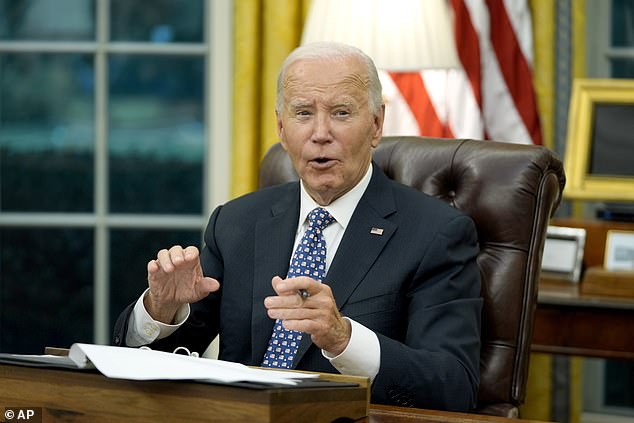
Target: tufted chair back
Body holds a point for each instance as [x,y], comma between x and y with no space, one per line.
[510,191]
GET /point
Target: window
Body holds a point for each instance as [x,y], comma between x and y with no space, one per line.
[108,109]
[610,39]
[608,384]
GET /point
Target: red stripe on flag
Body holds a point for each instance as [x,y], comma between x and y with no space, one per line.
[468,47]
[514,67]
[413,90]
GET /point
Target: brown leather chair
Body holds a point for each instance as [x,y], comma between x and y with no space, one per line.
[510,191]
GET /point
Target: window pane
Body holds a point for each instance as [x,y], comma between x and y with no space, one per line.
[46,289]
[611,147]
[622,23]
[622,68]
[47,20]
[130,252]
[619,383]
[156,134]
[47,132]
[164,22]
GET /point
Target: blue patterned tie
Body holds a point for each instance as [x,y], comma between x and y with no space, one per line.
[309,260]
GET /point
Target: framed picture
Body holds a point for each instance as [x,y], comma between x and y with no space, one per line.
[599,150]
[563,253]
[619,250]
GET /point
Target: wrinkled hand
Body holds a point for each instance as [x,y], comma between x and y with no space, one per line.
[175,278]
[316,315]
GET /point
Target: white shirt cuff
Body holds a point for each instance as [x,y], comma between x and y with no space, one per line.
[362,356]
[143,329]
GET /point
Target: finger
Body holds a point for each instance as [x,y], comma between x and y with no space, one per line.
[309,326]
[284,302]
[177,255]
[209,285]
[190,253]
[164,261]
[293,314]
[306,288]
[152,267]
[295,300]
[284,287]
[278,285]
[292,286]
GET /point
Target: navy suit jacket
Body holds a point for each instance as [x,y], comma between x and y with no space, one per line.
[417,286]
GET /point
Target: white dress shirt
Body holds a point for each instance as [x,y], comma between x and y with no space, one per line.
[362,355]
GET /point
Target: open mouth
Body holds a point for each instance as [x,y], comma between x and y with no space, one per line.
[322,163]
[321,159]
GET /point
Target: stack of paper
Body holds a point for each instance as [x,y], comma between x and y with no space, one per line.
[147,364]
[143,364]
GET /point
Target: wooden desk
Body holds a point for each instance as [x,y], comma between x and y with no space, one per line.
[86,396]
[72,396]
[568,322]
[385,414]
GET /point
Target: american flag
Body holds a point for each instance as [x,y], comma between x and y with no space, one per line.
[490,97]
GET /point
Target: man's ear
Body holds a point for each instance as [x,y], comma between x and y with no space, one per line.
[280,129]
[378,126]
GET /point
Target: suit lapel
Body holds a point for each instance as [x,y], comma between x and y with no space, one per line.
[360,245]
[274,237]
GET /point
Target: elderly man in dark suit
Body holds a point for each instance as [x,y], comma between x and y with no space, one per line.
[346,271]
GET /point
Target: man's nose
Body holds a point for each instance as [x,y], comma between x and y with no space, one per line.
[322,128]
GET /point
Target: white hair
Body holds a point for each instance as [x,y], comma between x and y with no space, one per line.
[331,50]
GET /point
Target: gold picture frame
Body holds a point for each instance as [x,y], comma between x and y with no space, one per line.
[582,183]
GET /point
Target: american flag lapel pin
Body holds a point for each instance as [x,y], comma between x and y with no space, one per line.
[376,231]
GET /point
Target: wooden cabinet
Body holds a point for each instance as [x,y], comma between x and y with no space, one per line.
[595,317]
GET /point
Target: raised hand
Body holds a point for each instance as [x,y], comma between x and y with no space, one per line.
[175,278]
[314,313]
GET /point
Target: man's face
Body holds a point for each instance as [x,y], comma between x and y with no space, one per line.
[326,125]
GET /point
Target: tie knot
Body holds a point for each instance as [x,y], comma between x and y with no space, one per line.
[319,218]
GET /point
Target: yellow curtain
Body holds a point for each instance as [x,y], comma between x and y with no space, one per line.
[265,32]
[543,14]
[578,38]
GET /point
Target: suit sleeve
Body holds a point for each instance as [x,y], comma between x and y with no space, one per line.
[437,366]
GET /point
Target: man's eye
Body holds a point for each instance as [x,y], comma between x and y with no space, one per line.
[342,113]
[302,113]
